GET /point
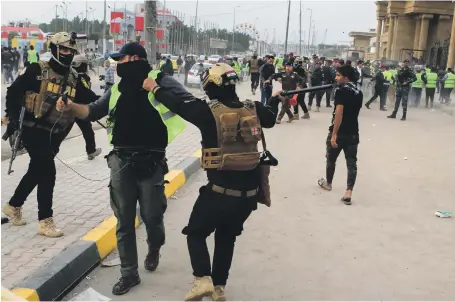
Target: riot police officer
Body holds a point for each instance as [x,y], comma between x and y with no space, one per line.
[230,196]
[44,128]
[405,77]
[289,81]
[301,97]
[137,161]
[80,65]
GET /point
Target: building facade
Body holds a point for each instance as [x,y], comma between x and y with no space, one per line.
[421,31]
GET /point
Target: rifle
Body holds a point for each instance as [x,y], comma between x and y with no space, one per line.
[305,90]
[16,141]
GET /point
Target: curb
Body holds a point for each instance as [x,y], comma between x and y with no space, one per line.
[54,279]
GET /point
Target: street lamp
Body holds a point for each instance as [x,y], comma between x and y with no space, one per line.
[309,30]
[65,24]
[233,30]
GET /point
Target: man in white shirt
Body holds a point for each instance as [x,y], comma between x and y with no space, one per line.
[359,70]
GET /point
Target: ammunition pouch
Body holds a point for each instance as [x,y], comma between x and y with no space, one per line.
[212,158]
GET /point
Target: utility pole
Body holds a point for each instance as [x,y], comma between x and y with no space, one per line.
[300,29]
[287,29]
[104,28]
[165,25]
[309,29]
[197,32]
[150,29]
[56,16]
[86,18]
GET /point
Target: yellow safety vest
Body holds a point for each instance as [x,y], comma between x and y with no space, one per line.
[450,82]
[427,70]
[32,58]
[418,83]
[237,68]
[432,78]
[174,123]
[387,75]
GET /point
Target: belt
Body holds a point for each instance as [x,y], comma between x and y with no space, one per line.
[235,193]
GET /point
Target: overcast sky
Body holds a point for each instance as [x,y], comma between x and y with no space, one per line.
[337,17]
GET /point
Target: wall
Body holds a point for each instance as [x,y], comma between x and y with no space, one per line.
[362,43]
[403,36]
[439,30]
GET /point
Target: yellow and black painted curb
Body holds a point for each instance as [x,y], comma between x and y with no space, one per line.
[51,281]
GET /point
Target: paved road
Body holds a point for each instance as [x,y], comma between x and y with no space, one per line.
[309,246]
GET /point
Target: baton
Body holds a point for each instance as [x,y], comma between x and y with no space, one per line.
[305,90]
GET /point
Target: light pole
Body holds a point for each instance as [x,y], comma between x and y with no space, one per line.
[88,27]
[233,31]
[309,30]
[196,50]
[65,24]
[63,17]
[287,29]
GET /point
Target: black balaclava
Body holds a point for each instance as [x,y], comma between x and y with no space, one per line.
[133,74]
[60,63]
[224,94]
[83,68]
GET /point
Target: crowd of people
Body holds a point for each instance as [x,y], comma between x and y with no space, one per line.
[13,58]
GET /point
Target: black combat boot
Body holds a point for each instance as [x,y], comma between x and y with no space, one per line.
[393,115]
[125,284]
[152,260]
[403,118]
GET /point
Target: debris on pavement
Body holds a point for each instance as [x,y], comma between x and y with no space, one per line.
[111,263]
[443,214]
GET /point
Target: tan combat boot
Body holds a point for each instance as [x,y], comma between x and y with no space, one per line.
[218,293]
[47,228]
[296,117]
[14,214]
[202,287]
[306,116]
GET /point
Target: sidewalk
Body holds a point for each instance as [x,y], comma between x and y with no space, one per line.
[79,204]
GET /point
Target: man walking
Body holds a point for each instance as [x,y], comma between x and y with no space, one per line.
[344,130]
[380,89]
[430,79]
[253,65]
[266,71]
[417,87]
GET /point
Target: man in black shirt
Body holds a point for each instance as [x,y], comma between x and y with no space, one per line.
[344,130]
[266,71]
[316,80]
[289,81]
[140,129]
[230,196]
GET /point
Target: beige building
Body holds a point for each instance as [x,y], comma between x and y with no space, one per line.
[417,30]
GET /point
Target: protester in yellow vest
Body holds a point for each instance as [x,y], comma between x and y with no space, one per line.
[139,128]
[417,87]
[428,69]
[430,79]
[32,55]
[449,84]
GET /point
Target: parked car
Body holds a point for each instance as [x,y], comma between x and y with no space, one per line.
[194,78]
[214,59]
[45,56]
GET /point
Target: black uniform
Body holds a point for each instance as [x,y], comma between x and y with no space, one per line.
[289,81]
[40,147]
[266,71]
[214,211]
[301,97]
[328,77]
[379,91]
[316,80]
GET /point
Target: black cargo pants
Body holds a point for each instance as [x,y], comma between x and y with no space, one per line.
[224,215]
[137,178]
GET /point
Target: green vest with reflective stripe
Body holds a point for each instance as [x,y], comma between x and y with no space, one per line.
[427,70]
[237,68]
[32,58]
[279,63]
[431,80]
[387,75]
[450,82]
[418,83]
[393,73]
[174,123]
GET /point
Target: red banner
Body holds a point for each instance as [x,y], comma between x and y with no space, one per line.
[139,23]
[115,28]
[24,36]
[115,15]
[160,33]
[4,34]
